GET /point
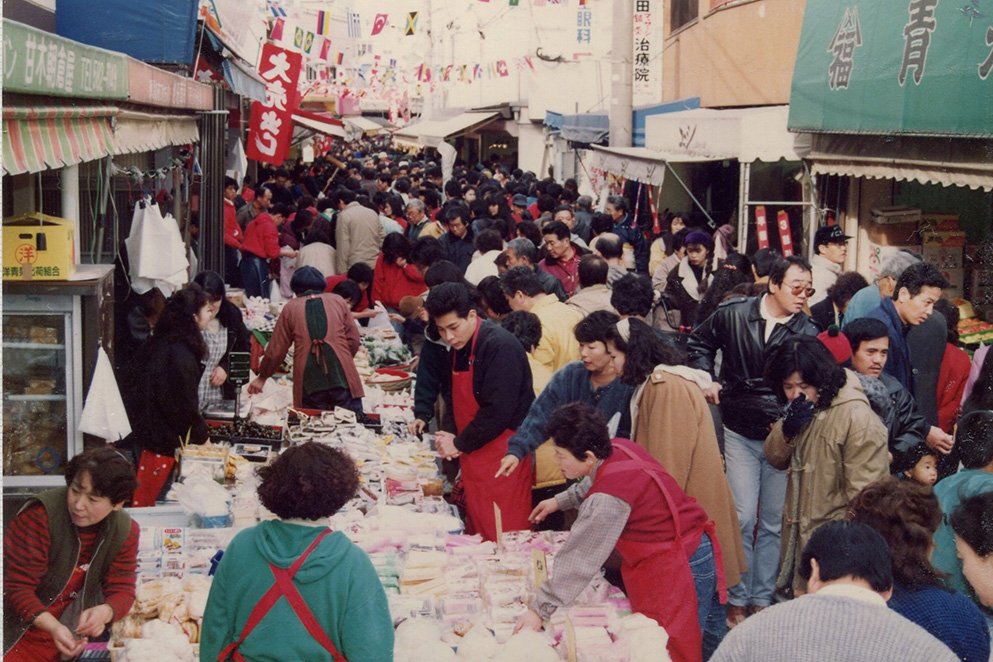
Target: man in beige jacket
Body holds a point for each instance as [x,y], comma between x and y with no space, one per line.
[358,233]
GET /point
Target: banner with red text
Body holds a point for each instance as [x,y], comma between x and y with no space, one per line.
[271,128]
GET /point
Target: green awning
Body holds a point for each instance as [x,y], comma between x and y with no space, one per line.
[918,67]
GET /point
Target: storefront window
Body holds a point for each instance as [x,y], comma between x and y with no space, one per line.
[682,12]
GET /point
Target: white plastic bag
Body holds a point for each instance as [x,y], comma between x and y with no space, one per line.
[381,320]
[103,412]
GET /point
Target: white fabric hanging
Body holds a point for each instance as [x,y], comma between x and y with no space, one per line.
[103,411]
[156,252]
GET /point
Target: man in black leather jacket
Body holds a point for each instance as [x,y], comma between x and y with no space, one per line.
[746,331]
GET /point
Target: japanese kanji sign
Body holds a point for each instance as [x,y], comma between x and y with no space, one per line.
[271,125]
[919,67]
[646,59]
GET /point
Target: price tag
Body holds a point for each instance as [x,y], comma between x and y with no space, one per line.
[539,567]
[238,367]
[498,516]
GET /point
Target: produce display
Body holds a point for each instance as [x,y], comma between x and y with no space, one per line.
[975,331]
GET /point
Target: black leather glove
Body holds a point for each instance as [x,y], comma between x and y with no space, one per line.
[799,413]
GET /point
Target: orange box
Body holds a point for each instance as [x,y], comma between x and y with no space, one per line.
[38,247]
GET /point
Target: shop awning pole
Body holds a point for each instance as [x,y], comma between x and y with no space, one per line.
[713,224]
[212,151]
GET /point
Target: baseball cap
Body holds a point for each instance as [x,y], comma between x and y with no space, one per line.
[519,200]
[830,234]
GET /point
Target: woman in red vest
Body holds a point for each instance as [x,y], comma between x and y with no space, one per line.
[670,558]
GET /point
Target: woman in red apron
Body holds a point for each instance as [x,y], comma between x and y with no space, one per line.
[630,503]
[485,417]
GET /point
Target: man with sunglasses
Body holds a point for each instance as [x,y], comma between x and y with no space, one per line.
[747,331]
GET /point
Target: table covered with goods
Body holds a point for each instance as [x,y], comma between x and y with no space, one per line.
[451,595]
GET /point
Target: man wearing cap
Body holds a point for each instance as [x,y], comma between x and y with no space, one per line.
[830,250]
[519,208]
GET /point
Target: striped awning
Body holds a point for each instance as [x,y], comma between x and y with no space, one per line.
[143,132]
[36,139]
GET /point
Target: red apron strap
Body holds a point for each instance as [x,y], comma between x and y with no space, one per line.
[269,599]
[303,612]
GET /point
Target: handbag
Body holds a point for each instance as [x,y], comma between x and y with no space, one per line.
[153,472]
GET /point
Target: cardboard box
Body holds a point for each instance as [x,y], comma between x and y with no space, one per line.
[892,234]
[956,282]
[940,222]
[896,215]
[879,253]
[954,239]
[38,247]
[944,257]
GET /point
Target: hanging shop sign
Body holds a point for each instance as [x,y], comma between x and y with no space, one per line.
[916,67]
[242,31]
[271,129]
[646,57]
[38,62]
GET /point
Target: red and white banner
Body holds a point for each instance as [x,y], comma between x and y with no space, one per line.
[785,233]
[761,227]
[271,127]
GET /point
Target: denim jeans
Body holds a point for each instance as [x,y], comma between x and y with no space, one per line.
[759,493]
[255,275]
[710,611]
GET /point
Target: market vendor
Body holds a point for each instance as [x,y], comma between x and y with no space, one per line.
[325,339]
[488,388]
[69,560]
[670,561]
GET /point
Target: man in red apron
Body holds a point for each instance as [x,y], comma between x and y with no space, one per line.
[490,392]
[627,501]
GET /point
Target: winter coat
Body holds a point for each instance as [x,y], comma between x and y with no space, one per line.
[748,405]
[358,237]
[239,340]
[671,421]
[842,450]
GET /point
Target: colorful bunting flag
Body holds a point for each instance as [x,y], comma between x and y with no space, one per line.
[277,30]
[411,24]
[354,25]
[326,49]
[515,3]
[323,23]
[379,23]
[276,9]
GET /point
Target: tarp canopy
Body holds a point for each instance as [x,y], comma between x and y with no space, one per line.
[43,137]
[243,81]
[430,133]
[917,68]
[637,163]
[947,162]
[143,132]
[707,134]
[587,128]
[553,120]
[363,124]
[319,123]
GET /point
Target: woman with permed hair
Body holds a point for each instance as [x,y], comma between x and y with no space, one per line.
[829,441]
[69,560]
[627,500]
[907,514]
[334,607]
[670,419]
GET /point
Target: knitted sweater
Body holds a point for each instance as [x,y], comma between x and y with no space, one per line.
[949,616]
[337,582]
[820,627]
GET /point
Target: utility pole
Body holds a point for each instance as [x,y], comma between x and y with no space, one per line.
[621,51]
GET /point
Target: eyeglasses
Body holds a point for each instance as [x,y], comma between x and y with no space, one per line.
[797,290]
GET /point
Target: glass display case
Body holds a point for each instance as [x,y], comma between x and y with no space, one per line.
[42,389]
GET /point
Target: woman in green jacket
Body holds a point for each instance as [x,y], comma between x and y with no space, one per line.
[291,589]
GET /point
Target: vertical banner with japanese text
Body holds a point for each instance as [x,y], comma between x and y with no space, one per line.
[646,61]
[271,127]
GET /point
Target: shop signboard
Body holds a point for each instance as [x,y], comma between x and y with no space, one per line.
[242,31]
[156,87]
[39,62]
[919,67]
[271,127]
[646,56]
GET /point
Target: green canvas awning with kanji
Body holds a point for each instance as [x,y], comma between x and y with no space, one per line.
[915,67]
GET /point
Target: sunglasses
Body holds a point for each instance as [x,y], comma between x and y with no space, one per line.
[797,290]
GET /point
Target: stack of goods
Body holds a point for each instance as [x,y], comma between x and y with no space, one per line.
[394,467]
[385,349]
[258,315]
[388,404]
[165,621]
[974,331]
